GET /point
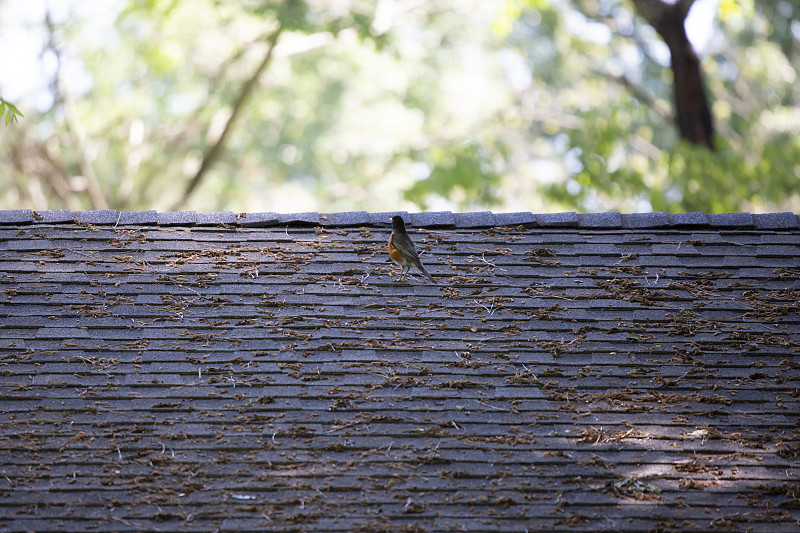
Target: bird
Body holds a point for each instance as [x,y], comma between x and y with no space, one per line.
[402,250]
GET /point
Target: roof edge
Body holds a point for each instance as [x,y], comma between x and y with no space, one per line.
[439,219]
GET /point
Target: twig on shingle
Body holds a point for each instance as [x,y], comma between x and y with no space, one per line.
[489,310]
[492,406]
[342,426]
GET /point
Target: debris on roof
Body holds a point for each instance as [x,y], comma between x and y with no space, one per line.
[268,372]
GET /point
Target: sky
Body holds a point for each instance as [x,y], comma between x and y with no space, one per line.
[26,72]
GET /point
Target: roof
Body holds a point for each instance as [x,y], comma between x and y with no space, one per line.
[270,372]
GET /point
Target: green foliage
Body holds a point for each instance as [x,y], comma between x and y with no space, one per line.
[462,172]
[624,151]
[516,104]
[10,112]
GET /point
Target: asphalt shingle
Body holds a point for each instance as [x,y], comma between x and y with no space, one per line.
[515,219]
[438,219]
[138,218]
[258,220]
[54,216]
[307,218]
[557,219]
[600,220]
[619,372]
[177,218]
[16,216]
[216,219]
[688,219]
[384,218]
[480,219]
[645,220]
[350,218]
[97,217]
[776,221]
[739,220]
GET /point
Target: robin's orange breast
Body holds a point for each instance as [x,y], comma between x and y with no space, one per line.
[394,253]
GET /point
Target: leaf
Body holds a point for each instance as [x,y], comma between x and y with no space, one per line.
[10,111]
[13,108]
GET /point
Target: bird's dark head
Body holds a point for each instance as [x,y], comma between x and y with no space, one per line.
[398,224]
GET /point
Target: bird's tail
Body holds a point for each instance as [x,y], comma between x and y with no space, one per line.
[427,274]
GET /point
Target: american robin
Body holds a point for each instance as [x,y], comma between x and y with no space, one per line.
[402,250]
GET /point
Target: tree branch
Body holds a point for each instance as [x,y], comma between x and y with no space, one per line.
[93,189]
[214,151]
[639,93]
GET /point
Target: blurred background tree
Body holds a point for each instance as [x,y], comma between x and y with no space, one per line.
[330,105]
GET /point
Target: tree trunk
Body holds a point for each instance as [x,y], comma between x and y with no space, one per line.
[692,113]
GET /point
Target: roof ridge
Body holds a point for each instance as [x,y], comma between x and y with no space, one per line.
[448,219]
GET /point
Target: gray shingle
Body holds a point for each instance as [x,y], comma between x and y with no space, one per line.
[16,216]
[659,219]
[56,216]
[349,218]
[688,219]
[138,218]
[438,219]
[177,218]
[216,219]
[480,219]
[776,221]
[384,218]
[741,220]
[256,220]
[557,220]
[308,218]
[98,217]
[645,220]
[600,220]
[526,219]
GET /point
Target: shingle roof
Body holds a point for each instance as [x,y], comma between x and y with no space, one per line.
[268,372]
